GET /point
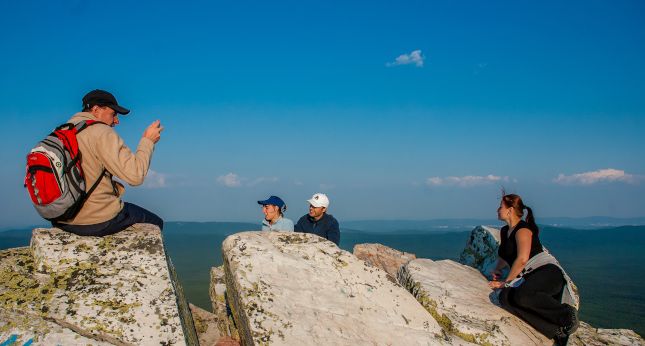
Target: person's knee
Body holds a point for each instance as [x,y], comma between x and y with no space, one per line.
[523,297]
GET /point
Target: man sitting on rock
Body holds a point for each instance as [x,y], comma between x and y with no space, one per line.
[104,155]
[318,221]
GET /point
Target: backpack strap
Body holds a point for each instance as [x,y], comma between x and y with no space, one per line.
[80,126]
[96,184]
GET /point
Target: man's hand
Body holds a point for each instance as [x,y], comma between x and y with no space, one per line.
[153,132]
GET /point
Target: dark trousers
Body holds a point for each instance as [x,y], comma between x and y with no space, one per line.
[537,300]
[128,216]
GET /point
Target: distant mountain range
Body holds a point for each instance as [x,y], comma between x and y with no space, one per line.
[446,225]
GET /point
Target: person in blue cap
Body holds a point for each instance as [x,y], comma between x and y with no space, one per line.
[274,220]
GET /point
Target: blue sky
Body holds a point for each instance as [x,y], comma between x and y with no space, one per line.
[411,110]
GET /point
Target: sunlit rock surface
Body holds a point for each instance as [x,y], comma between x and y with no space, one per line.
[459,298]
[118,289]
[300,289]
[205,325]
[384,257]
[590,336]
[217,292]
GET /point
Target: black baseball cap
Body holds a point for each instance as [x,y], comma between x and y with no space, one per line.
[102,98]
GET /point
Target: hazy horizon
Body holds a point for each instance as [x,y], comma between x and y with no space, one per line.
[563,221]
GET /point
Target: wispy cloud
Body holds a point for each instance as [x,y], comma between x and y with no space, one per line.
[229,180]
[594,177]
[261,180]
[415,58]
[466,181]
[233,180]
[155,180]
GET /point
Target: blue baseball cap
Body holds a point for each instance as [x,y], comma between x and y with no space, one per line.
[273,200]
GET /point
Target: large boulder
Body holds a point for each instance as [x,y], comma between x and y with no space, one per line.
[300,289]
[383,257]
[459,298]
[120,289]
[481,250]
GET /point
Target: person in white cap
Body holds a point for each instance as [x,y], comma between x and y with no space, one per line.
[318,221]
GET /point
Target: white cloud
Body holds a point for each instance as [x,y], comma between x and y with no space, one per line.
[406,59]
[465,181]
[230,180]
[233,180]
[154,180]
[601,175]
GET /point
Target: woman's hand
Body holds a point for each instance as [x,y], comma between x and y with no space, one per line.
[496,284]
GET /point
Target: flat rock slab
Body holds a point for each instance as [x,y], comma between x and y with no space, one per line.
[384,257]
[206,325]
[116,289]
[459,298]
[590,336]
[20,329]
[300,289]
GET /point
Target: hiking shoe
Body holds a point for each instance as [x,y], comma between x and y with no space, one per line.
[573,322]
[560,339]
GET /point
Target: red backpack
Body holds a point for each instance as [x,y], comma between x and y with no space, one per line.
[54,177]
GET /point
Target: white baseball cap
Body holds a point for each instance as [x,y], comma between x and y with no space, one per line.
[319,200]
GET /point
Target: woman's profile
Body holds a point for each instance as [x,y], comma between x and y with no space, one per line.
[274,220]
[536,288]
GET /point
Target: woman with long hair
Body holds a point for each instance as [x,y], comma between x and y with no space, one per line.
[536,288]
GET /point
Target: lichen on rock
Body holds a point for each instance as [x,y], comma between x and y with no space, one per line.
[302,289]
[119,289]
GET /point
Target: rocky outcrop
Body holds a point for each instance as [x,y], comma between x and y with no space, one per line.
[120,289]
[459,298]
[383,257]
[217,292]
[590,336]
[481,250]
[300,289]
[205,325]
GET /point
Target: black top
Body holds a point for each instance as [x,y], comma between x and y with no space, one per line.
[508,246]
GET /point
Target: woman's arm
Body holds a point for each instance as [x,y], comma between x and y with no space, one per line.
[523,240]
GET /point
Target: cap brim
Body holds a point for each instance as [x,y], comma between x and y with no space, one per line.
[315,203]
[263,202]
[120,109]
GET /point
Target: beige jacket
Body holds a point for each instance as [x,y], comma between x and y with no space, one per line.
[101,147]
